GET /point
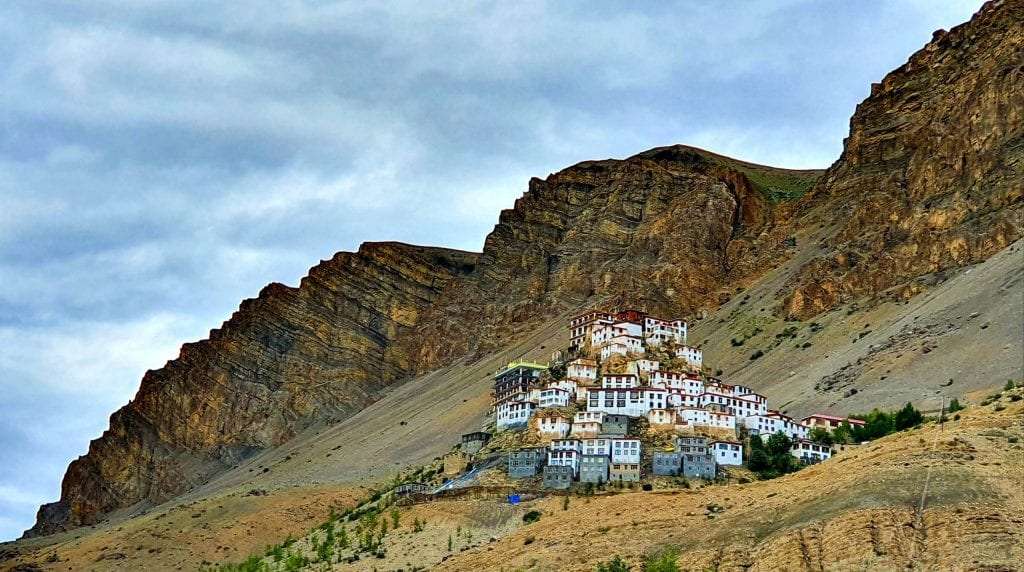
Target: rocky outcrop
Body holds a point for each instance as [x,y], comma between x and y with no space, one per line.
[662,231]
[932,174]
[284,359]
[930,179]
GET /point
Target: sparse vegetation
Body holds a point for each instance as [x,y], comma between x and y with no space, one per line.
[663,561]
[531,517]
[616,564]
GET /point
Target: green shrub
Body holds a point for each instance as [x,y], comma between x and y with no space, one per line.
[663,561]
[647,487]
[531,517]
[954,405]
[756,355]
[1009,385]
[616,564]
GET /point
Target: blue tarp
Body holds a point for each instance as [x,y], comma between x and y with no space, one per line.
[513,499]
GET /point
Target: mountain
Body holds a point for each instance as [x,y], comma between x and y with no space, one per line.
[929,181]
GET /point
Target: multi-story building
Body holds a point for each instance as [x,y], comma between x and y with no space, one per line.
[599,446]
[635,402]
[828,422]
[658,332]
[564,458]
[727,452]
[514,414]
[587,424]
[625,450]
[594,468]
[810,453]
[666,463]
[624,472]
[582,369]
[581,327]
[685,383]
[699,466]
[775,422]
[554,427]
[515,378]
[553,397]
[473,442]
[525,462]
[557,477]
[619,381]
[707,417]
[691,355]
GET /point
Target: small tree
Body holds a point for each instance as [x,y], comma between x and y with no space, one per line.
[663,561]
[907,417]
[1009,385]
[565,503]
[954,406]
[616,564]
[396,518]
[843,433]
[821,436]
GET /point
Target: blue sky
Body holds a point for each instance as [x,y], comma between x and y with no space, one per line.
[160,160]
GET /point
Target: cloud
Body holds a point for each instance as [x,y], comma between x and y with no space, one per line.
[162,159]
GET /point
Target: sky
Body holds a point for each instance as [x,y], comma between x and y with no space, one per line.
[161,160]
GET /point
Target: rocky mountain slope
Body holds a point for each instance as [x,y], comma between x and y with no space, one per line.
[930,180]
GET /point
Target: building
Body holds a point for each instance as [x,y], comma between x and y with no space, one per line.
[473,442]
[635,402]
[569,385]
[614,426]
[692,444]
[557,477]
[727,452]
[581,328]
[774,422]
[525,462]
[619,381]
[658,331]
[553,397]
[516,377]
[667,463]
[662,417]
[587,424]
[624,472]
[625,450]
[514,414]
[809,452]
[605,333]
[642,367]
[406,489]
[553,427]
[594,468]
[582,369]
[565,458]
[707,417]
[828,422]
[691,355]
[599,446]
[699,466]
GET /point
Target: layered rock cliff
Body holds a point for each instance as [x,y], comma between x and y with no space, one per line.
[932,174]
[283,360]
[930,179]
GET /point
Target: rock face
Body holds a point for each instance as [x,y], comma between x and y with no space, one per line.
[932,174]
[930,179]
[283,359]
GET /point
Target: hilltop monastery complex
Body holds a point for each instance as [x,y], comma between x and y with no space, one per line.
[625,367]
